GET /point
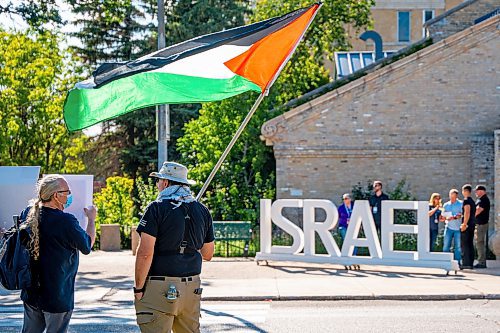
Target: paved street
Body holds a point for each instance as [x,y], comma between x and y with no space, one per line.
[241,296]
[303,316]
[216,316]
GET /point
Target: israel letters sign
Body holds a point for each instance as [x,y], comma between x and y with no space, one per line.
[381,252]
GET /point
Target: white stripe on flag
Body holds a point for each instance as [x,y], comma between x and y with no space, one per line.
[209,64]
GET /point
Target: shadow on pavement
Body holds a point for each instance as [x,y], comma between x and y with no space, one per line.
[95,279]
[363,273]
[232,327]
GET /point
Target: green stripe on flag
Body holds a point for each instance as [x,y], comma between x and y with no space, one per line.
[146,89]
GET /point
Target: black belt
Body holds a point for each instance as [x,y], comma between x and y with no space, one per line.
[164,278]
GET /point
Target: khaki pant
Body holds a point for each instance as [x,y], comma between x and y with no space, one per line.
[156,314]
[481,242]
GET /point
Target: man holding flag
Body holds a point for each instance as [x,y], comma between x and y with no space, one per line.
[176,234]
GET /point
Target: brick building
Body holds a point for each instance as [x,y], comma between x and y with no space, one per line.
[400,23]
[431,117]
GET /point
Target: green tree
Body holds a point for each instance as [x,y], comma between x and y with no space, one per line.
[147,192]
[106,30]
[187,19]
[33,82]
[248,173]
[33,12]
[115,205]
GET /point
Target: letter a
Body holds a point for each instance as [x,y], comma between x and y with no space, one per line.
[361,216]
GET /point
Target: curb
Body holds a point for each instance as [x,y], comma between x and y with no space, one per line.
[452,297]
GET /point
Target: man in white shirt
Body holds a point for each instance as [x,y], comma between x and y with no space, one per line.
[453,215]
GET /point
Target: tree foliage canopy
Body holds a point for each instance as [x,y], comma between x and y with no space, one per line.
[34,12]
[187,19]
[33,82]
[108,30]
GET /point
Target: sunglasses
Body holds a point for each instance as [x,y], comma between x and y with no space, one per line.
[67,191]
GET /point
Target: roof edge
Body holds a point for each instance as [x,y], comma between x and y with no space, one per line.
[305,102]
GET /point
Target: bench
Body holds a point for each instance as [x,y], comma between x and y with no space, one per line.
[227,231]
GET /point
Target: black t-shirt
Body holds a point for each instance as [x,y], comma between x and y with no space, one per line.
[376,204]
[61,237]
[472,218]
[484,216]
[165,220]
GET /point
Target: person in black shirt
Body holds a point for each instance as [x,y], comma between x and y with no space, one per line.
[176,234]
[376,203]
[56,240]
[467,228]
[482,217]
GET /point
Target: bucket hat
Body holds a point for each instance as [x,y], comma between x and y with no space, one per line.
[173,171]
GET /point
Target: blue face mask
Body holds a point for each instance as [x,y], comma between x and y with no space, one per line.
[69,201]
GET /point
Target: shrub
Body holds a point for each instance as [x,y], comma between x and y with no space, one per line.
[115,205]
[146,193]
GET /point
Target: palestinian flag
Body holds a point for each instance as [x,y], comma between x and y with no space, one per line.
[207,68]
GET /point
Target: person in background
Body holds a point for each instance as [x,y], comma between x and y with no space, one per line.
[453,214]
[376,203]
[482,217]
[467,227]
[345,212]
[56,240]
[435,207]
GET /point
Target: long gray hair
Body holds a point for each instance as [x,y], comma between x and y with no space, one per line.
[46,188]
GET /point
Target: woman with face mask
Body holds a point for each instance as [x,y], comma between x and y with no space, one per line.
[56,240]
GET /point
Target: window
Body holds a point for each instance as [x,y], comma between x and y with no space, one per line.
[347,63]
[403,26]
[426,16]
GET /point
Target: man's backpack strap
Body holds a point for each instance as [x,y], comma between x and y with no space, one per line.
[184,247]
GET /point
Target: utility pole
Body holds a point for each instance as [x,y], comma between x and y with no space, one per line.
[162,111]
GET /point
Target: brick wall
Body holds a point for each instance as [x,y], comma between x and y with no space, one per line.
[459,18]
[428,118]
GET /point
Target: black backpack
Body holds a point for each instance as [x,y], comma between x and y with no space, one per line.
[15,273]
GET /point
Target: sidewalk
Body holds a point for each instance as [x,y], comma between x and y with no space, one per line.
[107,278]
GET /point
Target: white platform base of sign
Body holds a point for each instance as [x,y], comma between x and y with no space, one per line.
[448,266]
